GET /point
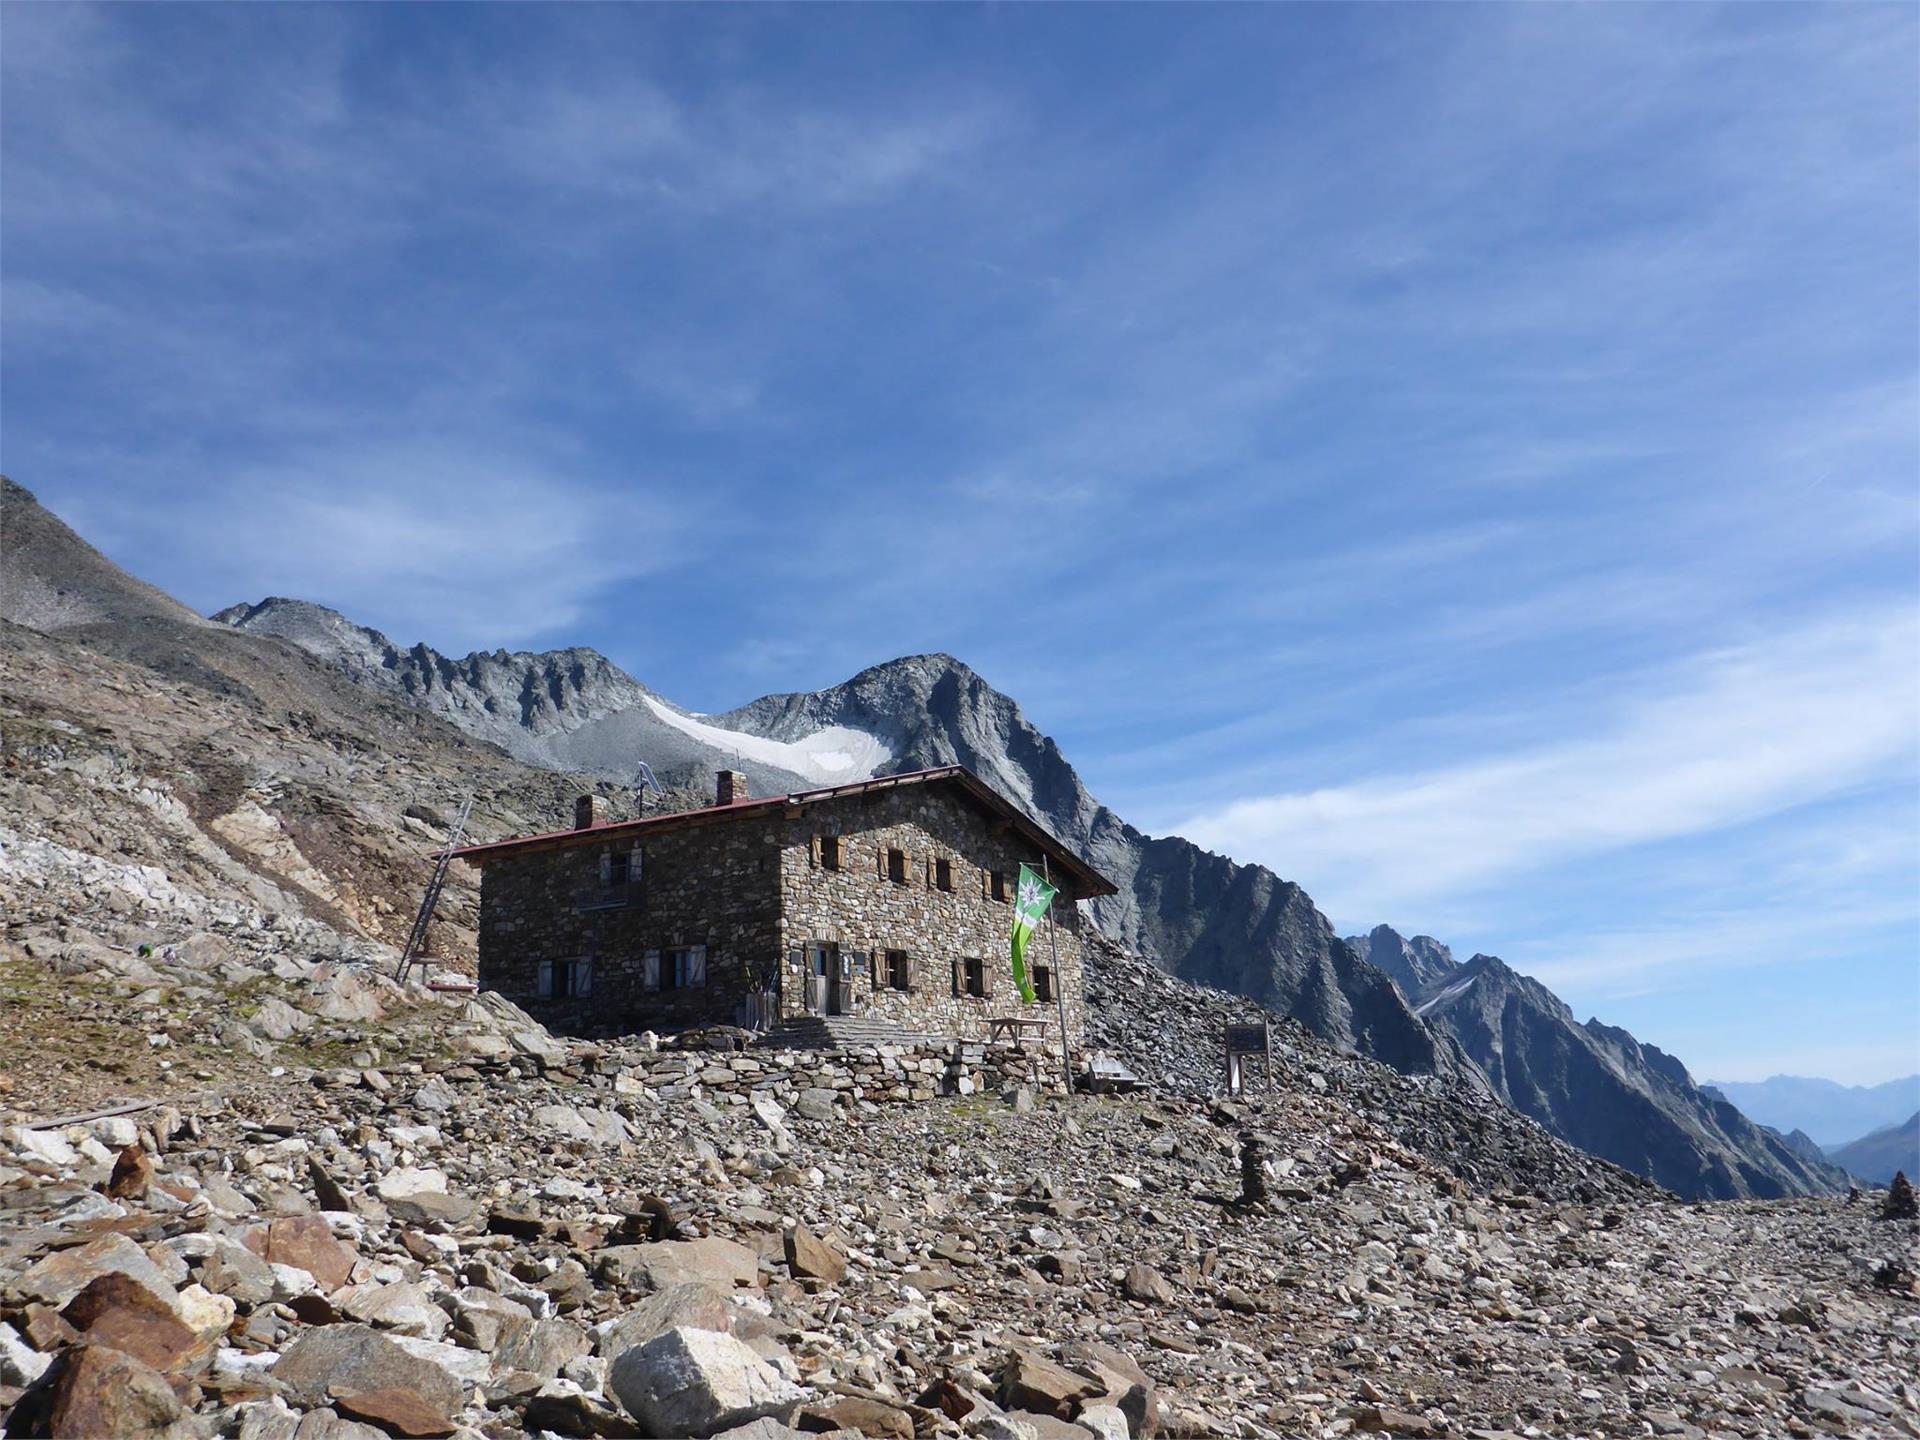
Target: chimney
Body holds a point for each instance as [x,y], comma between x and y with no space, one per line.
[589,811]
[730,789]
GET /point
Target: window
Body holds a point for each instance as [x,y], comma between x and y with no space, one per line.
[686,968]
[897,866]
[997,885]
[896,971]
[829,852]
[559,979]
[1042,982]
[618,869]
[681,968]
[943,874]
[974,975]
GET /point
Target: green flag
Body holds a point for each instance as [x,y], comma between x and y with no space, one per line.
[1030,902]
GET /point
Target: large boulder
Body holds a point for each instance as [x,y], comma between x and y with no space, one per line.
[809,1257]
[698,1383]
[666,1263]
[403,1307]
[694,1306]
[103,1391]
[351,1359]
[117,1310]
[583,1123]
[65,1273]
[306,1243]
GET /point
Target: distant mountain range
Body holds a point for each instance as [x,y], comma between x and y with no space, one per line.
[1874,1158]
[1594,1084]
[1832,1113]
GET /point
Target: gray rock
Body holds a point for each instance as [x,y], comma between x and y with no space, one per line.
[65,1273]
[692,1306]
[698,1383]
[345,1359]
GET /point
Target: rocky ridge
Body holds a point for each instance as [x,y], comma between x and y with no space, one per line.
[1595,1085]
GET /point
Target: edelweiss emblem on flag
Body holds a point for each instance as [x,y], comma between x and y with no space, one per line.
[1028,896]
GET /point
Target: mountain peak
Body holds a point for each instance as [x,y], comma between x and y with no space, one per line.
[52,580]
[1418,966]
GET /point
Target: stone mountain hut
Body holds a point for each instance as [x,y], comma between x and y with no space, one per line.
[889,899]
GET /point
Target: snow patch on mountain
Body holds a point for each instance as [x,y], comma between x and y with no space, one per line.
[834,755]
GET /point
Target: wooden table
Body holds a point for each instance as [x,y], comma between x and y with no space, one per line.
[1015,1028]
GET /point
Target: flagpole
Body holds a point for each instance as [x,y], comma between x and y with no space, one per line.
[1059,983]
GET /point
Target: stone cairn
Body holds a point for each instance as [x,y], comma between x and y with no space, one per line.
[1253,1172]
[1900,1202]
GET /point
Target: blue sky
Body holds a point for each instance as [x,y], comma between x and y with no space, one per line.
[1464,458]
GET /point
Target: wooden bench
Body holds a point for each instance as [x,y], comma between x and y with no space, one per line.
[1015,1028]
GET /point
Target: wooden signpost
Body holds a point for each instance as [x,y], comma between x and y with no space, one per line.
[1245,1043]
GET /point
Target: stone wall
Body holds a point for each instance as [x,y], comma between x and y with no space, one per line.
[714,885]
[866,911]
[883,1075]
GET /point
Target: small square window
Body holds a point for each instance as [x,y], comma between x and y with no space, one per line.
[943,874]
[829,852]
[559,979]
[997,885]
[1042,982]
[897,866]
[976,976]
[896,971]
[685,968]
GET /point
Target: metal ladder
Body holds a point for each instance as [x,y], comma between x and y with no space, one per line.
[417,937]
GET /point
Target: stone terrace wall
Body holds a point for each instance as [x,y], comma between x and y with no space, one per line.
[863,911]
[887,1074]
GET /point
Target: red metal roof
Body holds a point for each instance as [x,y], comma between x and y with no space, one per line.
[1089,881]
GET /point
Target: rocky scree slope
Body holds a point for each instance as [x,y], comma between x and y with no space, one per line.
[154,764]
[428,1216]
[1598,1087]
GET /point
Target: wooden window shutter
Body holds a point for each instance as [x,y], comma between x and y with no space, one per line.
[986,883]
[959,978]
[986,978]
[912,967]
[650,970]
[813,850]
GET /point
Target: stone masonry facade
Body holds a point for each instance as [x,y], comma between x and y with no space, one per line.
[910,902]
[889,903]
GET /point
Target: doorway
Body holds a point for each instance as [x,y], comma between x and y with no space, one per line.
[827,988]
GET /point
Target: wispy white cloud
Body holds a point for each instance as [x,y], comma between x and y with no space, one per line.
[1734,735]
[424,538]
